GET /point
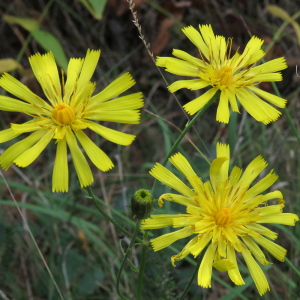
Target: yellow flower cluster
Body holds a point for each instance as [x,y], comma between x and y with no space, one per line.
[224,214]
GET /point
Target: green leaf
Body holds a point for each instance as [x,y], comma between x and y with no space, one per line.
[95,7]
[28,24]
[50,43]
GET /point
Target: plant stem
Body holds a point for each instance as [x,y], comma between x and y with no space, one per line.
[106,216]
[136,230]
[186,129]
[193,276]
[142,267]
[292,266]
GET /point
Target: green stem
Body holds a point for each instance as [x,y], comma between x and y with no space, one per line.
[292,266]
[106,216]
[142,267]
[136,230]
[193,276]
[186,129]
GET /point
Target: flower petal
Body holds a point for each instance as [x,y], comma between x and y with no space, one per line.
[205,270]
[168,178]
[9,155]
[114,136]
[119,116]
[277,251]
[60,178]
[193,84]
[88,69]
[232,100]
[203,240]
[18,89]
[166,240]
[223,108]
[182,68]
[82,168]
[117,87]
[96,155]
[193,106]
[7,135]
[28,156]
[189,58]
[284,219]
[223,151]
[178,199]
[255,250]
[215,172]
[158,221]
[45,70]
[74,68]
[234,274]
[256,272]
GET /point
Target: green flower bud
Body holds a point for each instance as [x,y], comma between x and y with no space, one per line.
[141,204]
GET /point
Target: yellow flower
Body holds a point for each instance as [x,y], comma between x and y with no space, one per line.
[71,108]
[226,214]
[234,77]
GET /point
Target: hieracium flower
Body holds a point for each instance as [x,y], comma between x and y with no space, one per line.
[224,214]
[235,77]
[70,109]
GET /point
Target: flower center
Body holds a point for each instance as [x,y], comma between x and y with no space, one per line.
[63,114]
[223,217]
[225,75]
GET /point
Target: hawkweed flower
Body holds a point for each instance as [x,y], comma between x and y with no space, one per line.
[70,109]
[224,213]
[235,77]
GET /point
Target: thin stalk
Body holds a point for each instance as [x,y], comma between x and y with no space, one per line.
[292,266]
[142,266]
[193,276]
[136,230]
[186,129]
[106,216]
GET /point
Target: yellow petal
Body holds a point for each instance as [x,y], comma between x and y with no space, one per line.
[31,125]
[96,155]
[45,70]
[256,107]
[205,270]
[158,221]
[277,251]
[60,178]
[234,274]
[210,39]
[195,37]
[60,132]
[222,246]
[10,104]
[185,220]
[179,199]
[9,155]
[284,219]
[117,87]
[202,241]
[266,77]
[256,272]
[215,171]
[185,251]
[223,151]
[223,108]
[232,100]
[193,106]
[182,68]
[224,265]
[81,166]
[193,84]
[274,65]
[83,96]
[168,178]
[18,89]
[28,156]
[169,238]
[132,101]
[262,230]
[122,116]
[114,136]
[88,69]
[255,250]
[278,101]
[74,69]
[7,135]
[189,58]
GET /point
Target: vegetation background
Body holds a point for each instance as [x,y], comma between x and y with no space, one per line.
[82,249]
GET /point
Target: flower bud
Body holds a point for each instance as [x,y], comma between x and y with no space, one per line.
[141,204]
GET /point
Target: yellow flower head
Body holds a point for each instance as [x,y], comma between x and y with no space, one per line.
[71,108]
[225,214]
[235,76]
